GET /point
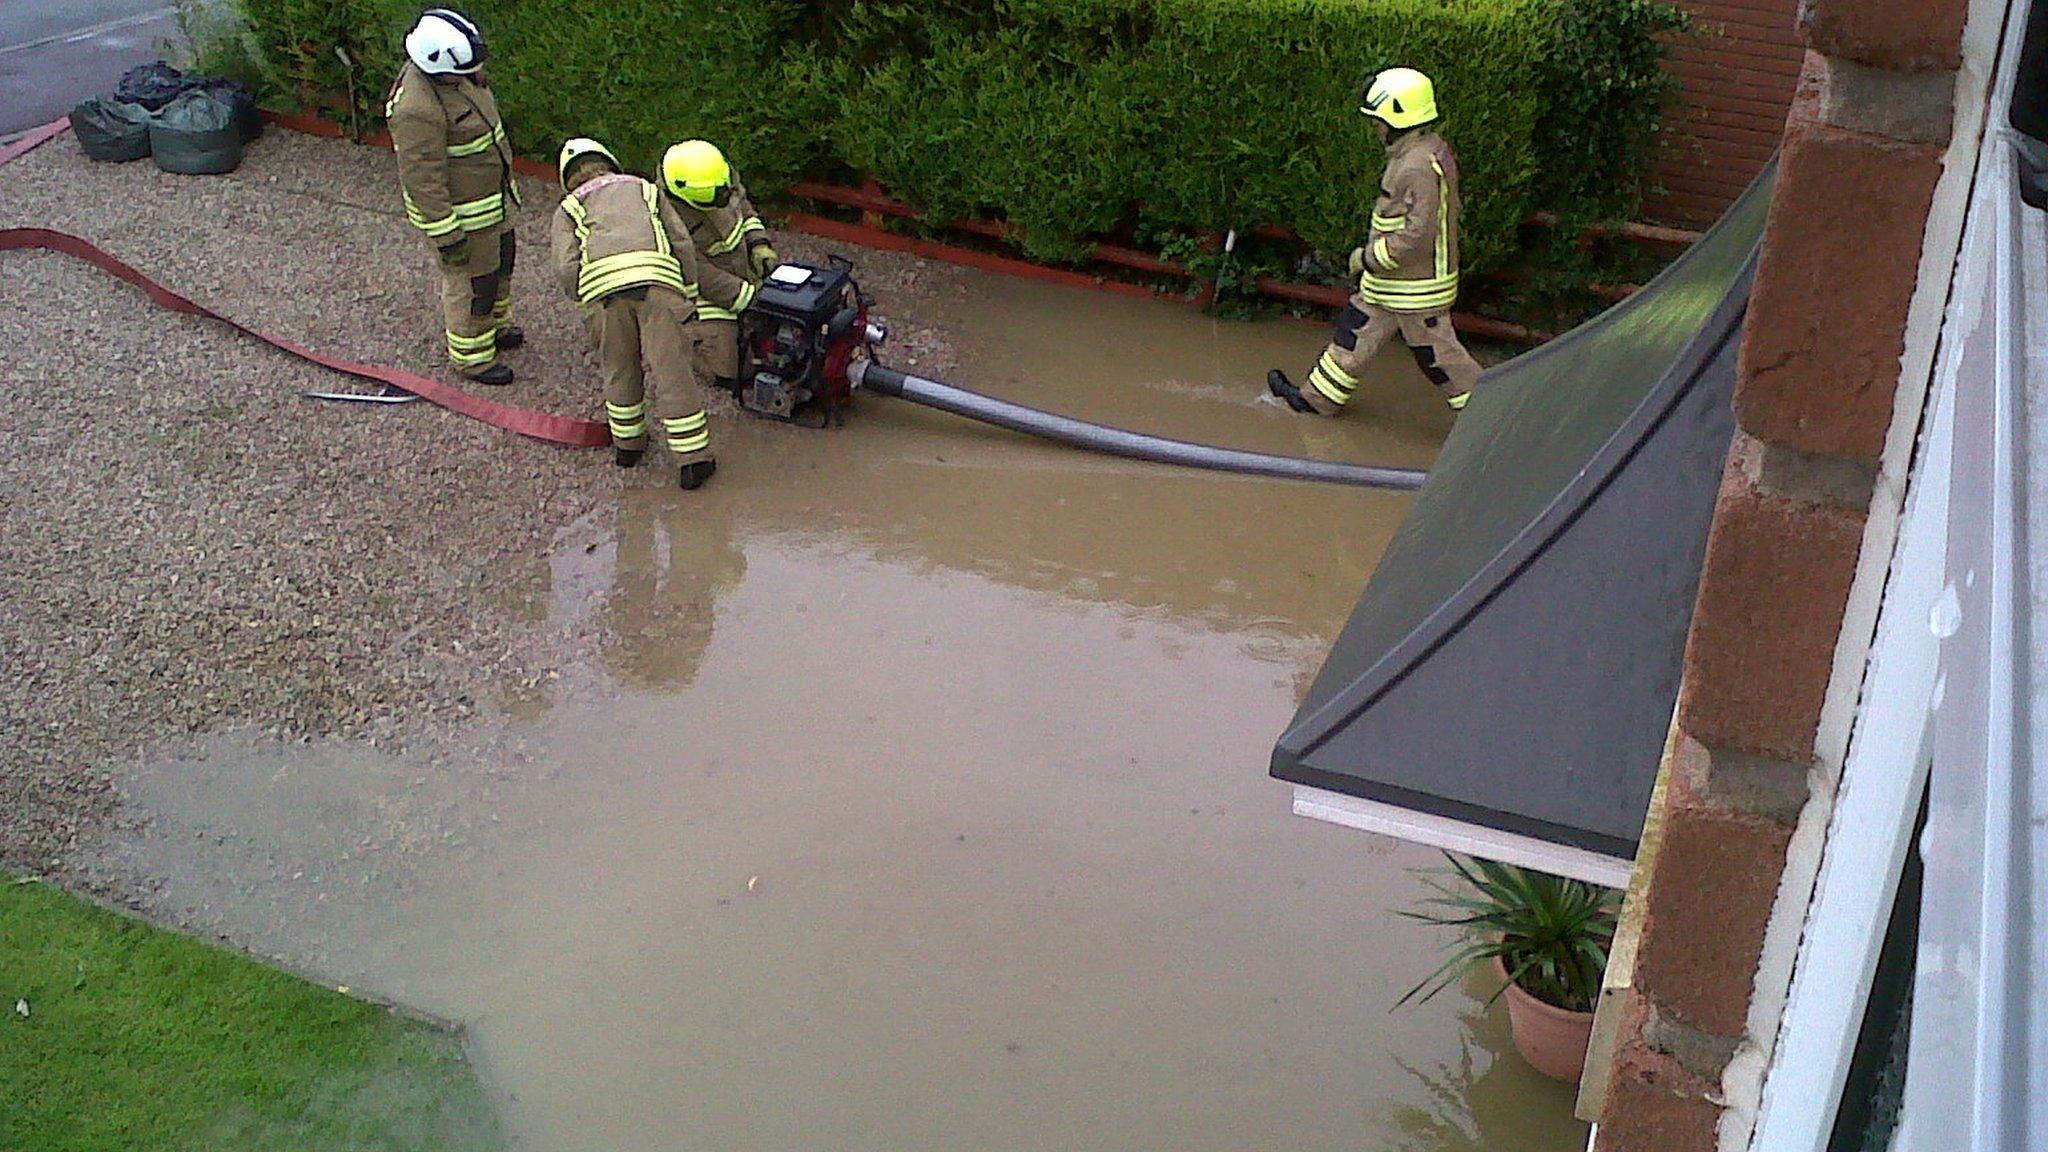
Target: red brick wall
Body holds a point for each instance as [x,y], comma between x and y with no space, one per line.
[1814,400]
[1736,79]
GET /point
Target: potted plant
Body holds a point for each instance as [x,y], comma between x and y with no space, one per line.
[1545,936]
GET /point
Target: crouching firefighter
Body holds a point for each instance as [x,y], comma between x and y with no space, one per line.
[621,253]
[455,172]
[1408,273]
[733,251]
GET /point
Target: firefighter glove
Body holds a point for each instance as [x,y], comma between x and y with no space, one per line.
[1357,263]
[455,253]
[763,259]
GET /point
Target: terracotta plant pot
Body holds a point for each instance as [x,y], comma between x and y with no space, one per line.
[1550,1038]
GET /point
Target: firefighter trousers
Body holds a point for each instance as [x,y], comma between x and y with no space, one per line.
[476,299]
[1362,329]
[650,324]
[717,358]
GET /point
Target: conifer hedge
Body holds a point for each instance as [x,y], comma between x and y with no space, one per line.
[1066,117]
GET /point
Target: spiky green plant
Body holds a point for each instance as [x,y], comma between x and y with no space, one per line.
[1550,934]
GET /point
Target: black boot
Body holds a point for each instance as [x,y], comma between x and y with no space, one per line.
[511,336]
[496,375]
[626,457]
[693,476]
[729,383]
[1279,385]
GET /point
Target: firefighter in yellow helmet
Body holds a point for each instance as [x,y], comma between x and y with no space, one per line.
[1408,273]
[455,175]
[731,241]
[624,257]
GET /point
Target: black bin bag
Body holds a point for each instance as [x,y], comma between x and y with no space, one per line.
[152,85]
[196,135]
[111,130]
[239,99]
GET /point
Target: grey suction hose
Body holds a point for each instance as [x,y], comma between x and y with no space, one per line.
[1117,442]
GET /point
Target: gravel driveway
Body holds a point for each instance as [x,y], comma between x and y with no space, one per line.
[187,547]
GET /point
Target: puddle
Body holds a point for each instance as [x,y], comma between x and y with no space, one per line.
[915,797]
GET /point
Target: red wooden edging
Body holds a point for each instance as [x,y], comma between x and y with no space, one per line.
[318,126]
[1650,234]
[873,203]
[861,234]
[1327,295]
[34,138]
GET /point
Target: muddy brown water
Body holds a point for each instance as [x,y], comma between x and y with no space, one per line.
[914,797]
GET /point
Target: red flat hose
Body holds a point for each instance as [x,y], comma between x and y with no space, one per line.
[525,421]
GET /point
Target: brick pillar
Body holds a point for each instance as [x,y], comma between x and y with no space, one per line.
[1814,404]
[1735,79]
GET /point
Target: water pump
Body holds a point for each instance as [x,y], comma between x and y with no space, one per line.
[808,343]
[798,339]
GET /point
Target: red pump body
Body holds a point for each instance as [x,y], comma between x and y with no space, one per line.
[797,341]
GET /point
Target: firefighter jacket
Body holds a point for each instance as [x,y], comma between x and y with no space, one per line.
[723,236]
[454,159]
[617,231]
[612,233]
[1411,263]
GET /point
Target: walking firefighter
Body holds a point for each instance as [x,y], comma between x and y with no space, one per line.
[455,172]
[624,256]
[731,242]
[1408,273]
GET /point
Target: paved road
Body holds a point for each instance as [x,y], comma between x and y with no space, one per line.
[56,53]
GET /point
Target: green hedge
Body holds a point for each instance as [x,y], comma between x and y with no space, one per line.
[1062,116]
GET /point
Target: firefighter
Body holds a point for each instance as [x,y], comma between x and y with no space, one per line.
[625,257]
[730,240]
[1408,274]
[455,172]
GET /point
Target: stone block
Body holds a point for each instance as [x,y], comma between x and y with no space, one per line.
[1717,880]
[1916,107]
[1902,35]
[1655,1105]
[1827,318]
[1772,594]
[1755,785]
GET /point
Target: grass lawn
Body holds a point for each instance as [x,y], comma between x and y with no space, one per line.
[136,1039]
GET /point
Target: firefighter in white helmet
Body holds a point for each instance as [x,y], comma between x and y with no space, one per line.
[623,255]
[731,243]
[1408,273]
[455,174]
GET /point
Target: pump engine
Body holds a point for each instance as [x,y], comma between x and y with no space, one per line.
[798,338]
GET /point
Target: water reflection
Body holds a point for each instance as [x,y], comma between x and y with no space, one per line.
[675,558]
[1480,1099]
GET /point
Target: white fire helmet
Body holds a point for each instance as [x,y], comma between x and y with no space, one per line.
[445,42]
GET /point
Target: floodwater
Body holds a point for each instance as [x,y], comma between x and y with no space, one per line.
[915,797]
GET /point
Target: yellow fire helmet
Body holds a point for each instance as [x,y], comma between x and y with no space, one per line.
[695,170]
[1401,97]
[576,149]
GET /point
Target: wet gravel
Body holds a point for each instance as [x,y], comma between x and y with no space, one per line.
[188,548]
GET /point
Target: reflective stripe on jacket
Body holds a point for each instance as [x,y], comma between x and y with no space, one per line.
[722,237]
[614,233]
[743,295]
[1411,264]
[454,157]
[724,234]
